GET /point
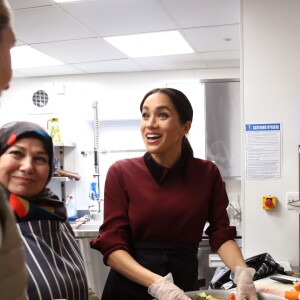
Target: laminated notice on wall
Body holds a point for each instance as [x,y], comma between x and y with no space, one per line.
[263,151]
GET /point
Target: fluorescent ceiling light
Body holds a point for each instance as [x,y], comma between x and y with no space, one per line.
[27,57]
[151,44]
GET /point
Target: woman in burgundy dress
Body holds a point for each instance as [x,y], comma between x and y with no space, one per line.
[156,207]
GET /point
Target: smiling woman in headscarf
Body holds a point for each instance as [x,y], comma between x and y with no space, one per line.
[55,265]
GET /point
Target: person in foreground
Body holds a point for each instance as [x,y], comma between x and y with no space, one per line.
[53,259]
[13,275]
[156,207]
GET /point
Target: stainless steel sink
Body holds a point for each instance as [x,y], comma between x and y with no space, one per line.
[89,229]
[89,226]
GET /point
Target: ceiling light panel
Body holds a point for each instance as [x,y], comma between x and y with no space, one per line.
[151,44]
[27,57]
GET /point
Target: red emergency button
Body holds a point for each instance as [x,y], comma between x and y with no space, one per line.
[269,202]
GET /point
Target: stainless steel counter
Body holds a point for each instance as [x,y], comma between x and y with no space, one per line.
[208,261]
[96,270]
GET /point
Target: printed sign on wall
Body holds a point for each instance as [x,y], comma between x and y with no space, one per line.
[263,151]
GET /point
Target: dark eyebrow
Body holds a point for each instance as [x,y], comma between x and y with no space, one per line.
[158,107]
[24,149]
[16,146]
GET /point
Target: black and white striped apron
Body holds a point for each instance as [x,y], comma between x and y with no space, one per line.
[53,260]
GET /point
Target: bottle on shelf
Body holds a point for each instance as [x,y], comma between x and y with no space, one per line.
[94,191]
[71,208]
[94,201]
[54,130]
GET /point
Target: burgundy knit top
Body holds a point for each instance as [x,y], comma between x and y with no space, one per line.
[145,202]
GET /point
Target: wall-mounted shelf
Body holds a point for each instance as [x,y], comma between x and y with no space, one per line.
[64,144]
[61,179]
[59,152]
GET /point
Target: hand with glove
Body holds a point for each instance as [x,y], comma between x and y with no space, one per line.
[245,286]
[165,289]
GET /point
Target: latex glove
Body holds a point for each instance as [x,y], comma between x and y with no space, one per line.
[165,289]
[243,278]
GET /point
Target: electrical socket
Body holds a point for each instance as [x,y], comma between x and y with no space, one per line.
[290,198]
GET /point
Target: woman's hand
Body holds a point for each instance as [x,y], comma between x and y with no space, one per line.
[245,286]
[165,289]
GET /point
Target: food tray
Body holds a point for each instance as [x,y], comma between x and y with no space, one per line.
[225,294]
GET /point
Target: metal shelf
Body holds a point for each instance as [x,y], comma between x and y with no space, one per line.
[60,148]
[61,179]
[64,144]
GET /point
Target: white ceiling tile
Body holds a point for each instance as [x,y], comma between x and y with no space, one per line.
[45,24]
[225,59]
[197,13]
[17,73]
[119,17]
[19,4]
[50,71]
[80,51]
[19,43]
[213,38]
[120,65]
[172,62]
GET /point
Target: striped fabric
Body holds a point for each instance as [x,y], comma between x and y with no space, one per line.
[54,262]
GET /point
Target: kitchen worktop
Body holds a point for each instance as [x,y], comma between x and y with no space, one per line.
[97,272]
[239,231]
[92,227]
[270,283]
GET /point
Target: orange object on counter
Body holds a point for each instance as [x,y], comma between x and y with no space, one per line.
[297,286]
[231,297]
[292,295]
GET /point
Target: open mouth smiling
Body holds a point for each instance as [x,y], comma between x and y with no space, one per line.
[153,136]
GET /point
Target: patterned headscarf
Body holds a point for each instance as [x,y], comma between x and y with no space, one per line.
[14,131]
[46,205]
